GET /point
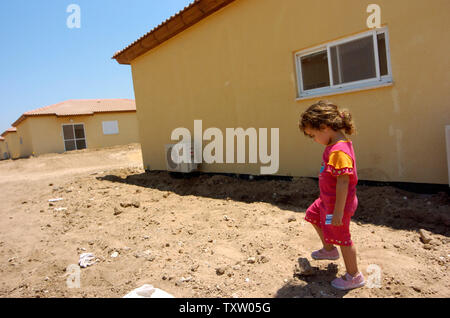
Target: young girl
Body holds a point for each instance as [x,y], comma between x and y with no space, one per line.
[330,214]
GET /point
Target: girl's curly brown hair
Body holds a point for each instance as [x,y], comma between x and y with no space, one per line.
[325,113]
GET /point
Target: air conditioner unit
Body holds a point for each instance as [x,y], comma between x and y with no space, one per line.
[447,139]
[184,167]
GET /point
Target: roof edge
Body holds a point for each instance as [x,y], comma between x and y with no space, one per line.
[24,117]
[8,131]
[18,121]
[190,15]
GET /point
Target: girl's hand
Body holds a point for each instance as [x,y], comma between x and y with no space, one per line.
[337,219]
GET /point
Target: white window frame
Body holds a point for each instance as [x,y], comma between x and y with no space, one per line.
[378,81]
[75,139]
[110,121]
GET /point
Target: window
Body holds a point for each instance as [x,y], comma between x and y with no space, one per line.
[74,137]
[356,62]
[315,70]
[110,127]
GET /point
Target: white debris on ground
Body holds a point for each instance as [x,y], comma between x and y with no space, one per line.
[87,259]
[148,291]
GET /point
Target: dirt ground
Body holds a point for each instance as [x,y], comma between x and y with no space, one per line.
[202,236]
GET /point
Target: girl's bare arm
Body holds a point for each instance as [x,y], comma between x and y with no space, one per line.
[341,197]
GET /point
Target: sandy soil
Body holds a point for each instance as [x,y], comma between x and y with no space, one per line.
[202,236]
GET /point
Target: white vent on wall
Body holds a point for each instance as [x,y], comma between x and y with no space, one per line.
[447,138]
[172,163]
[110,127]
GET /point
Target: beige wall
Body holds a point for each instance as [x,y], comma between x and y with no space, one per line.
[47,137]
[3,150]
[23,130]
[236,69]
[128,130]
[13,145]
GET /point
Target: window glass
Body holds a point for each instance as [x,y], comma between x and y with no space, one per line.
[353,61]
[70,145]
[382,54]
[81,144]
[79,131]
[315,73]
[68,132]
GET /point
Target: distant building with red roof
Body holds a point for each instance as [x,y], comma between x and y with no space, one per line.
[73,125]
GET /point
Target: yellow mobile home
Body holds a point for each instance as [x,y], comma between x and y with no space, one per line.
[11,143]
[77,124]
[261,63]
[4,154]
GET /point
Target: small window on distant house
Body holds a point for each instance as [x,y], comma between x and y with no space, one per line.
[348,64]
[21,140]
[110,127]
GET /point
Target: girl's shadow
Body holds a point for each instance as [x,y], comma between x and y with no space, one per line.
[318,282]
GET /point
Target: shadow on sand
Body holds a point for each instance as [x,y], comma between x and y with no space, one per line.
[383,204]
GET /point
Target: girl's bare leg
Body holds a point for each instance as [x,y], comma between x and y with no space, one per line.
[326,246]
[349,255]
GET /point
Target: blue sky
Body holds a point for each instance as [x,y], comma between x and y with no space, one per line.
[43,62]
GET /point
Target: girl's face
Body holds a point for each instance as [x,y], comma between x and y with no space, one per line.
[323,136]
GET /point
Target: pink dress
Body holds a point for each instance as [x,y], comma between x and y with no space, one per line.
[338,159]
